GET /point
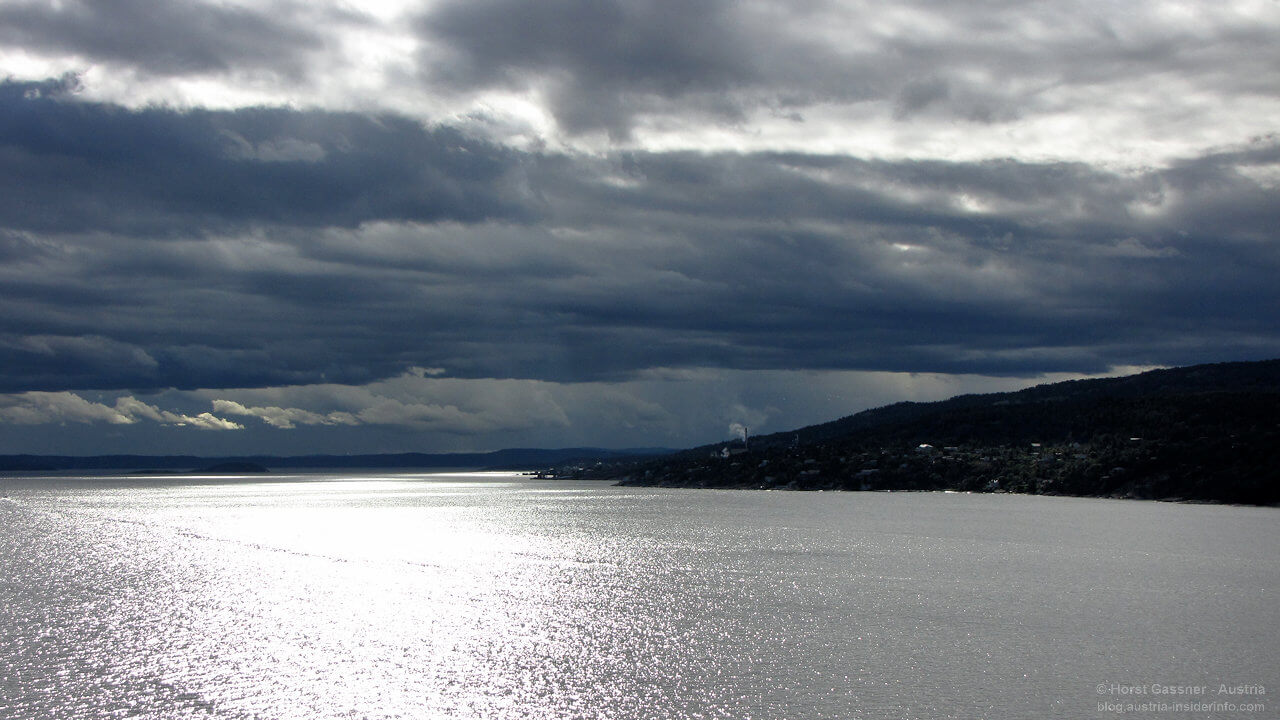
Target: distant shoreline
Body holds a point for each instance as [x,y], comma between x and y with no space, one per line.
[942,491]
[506,459]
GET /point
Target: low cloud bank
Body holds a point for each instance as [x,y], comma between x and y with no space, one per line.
[40,408]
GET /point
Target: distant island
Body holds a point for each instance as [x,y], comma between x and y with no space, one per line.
[234,467]
[221,468]
[509,459]
[1207,433]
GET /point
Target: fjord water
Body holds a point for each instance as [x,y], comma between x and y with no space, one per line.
[500,596]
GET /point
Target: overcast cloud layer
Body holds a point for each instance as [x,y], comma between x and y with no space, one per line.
[468,225]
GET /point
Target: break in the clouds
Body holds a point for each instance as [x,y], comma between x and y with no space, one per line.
[617,223]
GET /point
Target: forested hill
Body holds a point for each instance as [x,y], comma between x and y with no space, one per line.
[1069,411]
[1206,432]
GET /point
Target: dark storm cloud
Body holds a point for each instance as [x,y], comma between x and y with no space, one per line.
[613,54]
[165,38]
[151,249]
[766,261]
[80,166]
[603,65]
[1216,193]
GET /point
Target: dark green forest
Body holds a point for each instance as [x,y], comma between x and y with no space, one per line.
[1202,433]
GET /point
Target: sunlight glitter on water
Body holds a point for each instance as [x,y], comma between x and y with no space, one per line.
[502,597]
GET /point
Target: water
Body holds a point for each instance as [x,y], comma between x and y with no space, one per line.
[498,596]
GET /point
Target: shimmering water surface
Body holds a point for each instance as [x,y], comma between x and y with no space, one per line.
[499,596]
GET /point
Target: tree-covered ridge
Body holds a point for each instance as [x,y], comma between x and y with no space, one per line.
[1207,432]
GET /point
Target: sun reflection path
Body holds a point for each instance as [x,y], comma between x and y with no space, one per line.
[393,597]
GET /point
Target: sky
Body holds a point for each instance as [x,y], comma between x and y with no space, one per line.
[456,225]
